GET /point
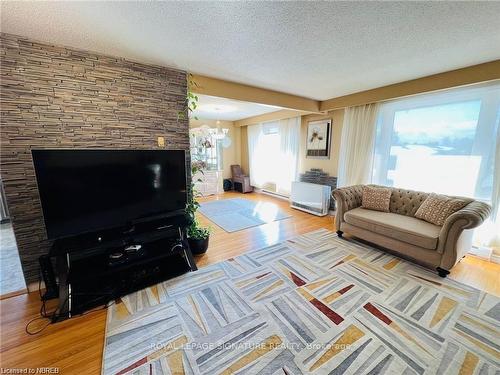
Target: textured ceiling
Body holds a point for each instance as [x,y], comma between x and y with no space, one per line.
[313,49]
[214,108]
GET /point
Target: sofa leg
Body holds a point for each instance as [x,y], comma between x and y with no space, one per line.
[442,272]
[340,233]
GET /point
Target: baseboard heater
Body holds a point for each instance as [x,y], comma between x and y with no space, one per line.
[273,193]
[311,198]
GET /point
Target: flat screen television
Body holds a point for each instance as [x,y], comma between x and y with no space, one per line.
[84,191]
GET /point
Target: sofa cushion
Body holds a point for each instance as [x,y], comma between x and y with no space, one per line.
[406,202]
[436,208]
[400,227]
[376,198]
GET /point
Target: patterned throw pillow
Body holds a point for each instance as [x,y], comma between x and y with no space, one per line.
[436,208]
[376,198]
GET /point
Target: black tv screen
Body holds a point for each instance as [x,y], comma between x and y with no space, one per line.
[90,190]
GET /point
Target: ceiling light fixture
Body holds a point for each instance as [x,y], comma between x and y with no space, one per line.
[205,132]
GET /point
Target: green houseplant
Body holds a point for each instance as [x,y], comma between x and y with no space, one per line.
[191,101]
[198,236]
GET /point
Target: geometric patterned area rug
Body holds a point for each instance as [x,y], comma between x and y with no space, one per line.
[315,304]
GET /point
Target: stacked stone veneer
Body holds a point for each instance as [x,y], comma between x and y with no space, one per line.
[317,176]
[56,97]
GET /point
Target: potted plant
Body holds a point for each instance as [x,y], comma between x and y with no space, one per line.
[198,238]
[197,235]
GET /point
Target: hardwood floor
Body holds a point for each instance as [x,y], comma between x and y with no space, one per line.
[225,245]
[75,346]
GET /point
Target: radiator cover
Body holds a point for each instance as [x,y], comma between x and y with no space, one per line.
[311,198]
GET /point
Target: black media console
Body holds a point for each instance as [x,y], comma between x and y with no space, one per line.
[95,269]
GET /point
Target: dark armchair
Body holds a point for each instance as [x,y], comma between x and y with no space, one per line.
[241,182]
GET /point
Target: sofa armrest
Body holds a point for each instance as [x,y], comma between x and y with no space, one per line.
[347,198]
[469,217]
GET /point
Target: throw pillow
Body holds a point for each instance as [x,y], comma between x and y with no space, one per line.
[376,198]
[436,208]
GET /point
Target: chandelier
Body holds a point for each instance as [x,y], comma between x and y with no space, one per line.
[218,133]
[205,134]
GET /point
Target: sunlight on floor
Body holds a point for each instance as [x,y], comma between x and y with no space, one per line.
[270,232]
[266,211]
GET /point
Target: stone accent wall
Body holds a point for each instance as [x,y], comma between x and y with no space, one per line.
[56,97]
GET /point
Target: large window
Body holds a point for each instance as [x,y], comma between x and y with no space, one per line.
[268,155]
[443,142]
[273,148]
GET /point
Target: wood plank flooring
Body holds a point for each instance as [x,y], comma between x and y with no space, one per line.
[75,346]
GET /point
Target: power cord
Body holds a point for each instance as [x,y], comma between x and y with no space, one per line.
[176,246]
[53,316]
[50,317]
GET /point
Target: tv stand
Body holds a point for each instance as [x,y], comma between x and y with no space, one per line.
[98,268]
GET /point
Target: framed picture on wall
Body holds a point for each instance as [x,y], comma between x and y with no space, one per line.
[318,139]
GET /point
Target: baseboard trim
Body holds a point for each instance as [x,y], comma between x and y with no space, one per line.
[13,294]
[284,197]
[272,194]
[495,258]
[481,252]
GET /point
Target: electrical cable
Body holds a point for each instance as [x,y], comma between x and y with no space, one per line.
[44,315]
[54,316]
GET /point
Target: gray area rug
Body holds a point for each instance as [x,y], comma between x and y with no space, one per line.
[237,214]
[314,304]
[11,273]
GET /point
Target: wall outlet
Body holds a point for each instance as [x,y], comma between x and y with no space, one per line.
[161,141]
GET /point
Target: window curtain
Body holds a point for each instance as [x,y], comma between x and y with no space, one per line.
[357,144]
[289,133]
[494,239]
[273,149]
[256,158]
[488,234]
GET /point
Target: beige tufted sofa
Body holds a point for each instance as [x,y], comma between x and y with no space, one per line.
[437,247]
